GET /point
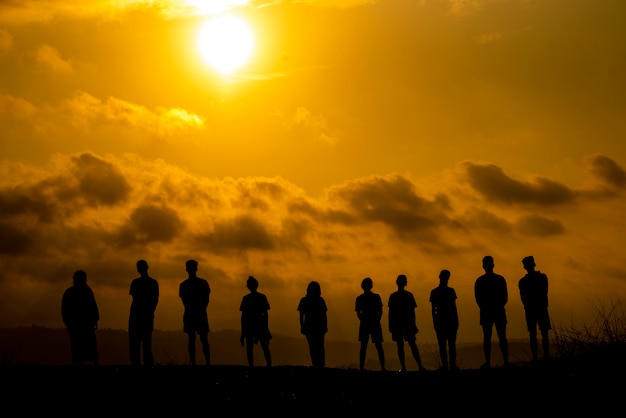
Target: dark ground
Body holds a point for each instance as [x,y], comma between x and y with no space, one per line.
[221,390]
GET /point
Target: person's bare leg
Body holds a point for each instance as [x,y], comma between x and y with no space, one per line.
[191,347]
[381,355]
[362,353]
[400,345]
[266,353]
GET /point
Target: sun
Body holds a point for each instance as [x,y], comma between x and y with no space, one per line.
[226,43]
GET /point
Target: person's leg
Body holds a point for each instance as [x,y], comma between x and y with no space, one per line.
[134,343]
[191,347]
[452,350]
[504,344]
[322,351]
[545,341]
[362,353]
[265,346]
[381,354]
[400,346]
[532,336]
[487,331]
[416,354]
[443,355]
[250,351]
[206,349]
[146,343]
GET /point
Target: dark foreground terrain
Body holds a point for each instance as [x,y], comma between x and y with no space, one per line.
[221,390]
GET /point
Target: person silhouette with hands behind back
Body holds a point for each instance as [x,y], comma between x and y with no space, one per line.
[314,322]
[369,310]
[145,293]
[402,322]
[445,320]
[194,293]
[490,291]
[255,322]
[80,314]
[533,289]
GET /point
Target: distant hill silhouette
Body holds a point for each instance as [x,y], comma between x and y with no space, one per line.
[38,345]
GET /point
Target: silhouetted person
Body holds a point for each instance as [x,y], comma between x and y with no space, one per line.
[402,322]
[445,320]
[533,289]
[194,292]
[491,295]
[314,322]
[255,322]
[145,293]
[369,310]
[80,314]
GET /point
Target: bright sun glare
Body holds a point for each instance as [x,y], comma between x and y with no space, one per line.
[226,43]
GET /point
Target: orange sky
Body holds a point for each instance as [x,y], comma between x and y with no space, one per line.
[363,138]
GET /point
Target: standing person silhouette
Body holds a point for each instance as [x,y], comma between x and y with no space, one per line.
[533,289]
[402,322]
[194,293]
[145,293]
[490,291]
[314,322]
[369,310]
[445,320]
[255,322]
[80,315]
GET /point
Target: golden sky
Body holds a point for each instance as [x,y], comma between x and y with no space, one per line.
[363,138]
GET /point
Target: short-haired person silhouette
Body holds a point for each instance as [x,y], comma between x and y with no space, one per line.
[145,293]
[402,322]
[369,310]
[194,293]
[491,294]
[533,289]
[445,320]
[314,322]
[255,322]
[80,315]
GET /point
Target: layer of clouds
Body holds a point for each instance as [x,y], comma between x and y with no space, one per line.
[101,213]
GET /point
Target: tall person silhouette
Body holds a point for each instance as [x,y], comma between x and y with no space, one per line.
[80,315]
[402,324]
[533,289]
[255,322]
[369,310]
[490,291]
[145,293]
[314,322]
[445,320]
[194,293]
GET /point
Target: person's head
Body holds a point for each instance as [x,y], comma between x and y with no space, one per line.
[314,289]
[367,284]
[488,263]
[191,266]
[528,262]
[142,266]
[401,280]
[79,278]
[444,276]
[252,283]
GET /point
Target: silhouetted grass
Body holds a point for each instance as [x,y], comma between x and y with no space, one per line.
[600,342]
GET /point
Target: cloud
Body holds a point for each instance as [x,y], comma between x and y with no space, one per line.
[490,181]
[607,170]
[150,223]
[392,201]
[85,109]
[49,58]
[537,225]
